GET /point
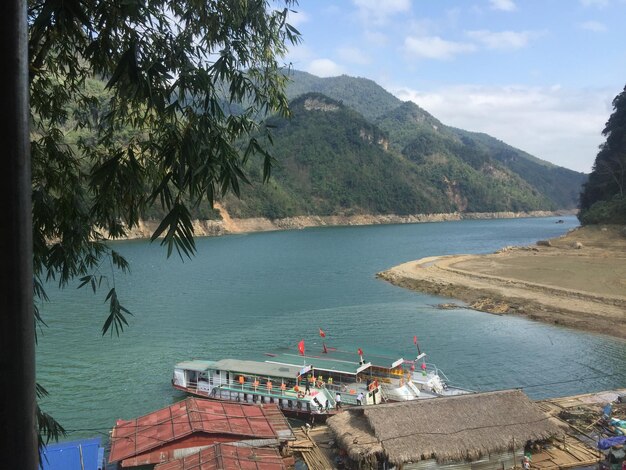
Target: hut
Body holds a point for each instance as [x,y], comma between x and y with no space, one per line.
[473,431]
[193,424]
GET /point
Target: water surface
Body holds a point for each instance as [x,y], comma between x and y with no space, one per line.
[243,295]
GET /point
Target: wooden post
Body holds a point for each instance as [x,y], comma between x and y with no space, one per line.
[18,436]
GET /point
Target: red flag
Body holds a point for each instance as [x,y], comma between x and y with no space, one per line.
[301,347]
[322,334]
[415,340]
[360,352]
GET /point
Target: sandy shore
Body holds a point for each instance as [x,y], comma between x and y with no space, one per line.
[578,280]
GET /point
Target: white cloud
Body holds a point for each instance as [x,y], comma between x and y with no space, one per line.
[502,39]
[377,12]
[554,124]
[433,47]
[504,5]
[354,55]
[594,3]
[594,26]
[376,38]
[324,68]
[386,8]
[298,55]
[296,18]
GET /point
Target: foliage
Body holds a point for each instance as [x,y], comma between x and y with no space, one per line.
[603,212]
[360,94]
[601,200]
[332,161]
[158,132]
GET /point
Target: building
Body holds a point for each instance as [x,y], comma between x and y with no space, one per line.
[229,457]
[473,431]
[193,424]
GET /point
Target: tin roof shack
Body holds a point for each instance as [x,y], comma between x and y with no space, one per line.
[228,457]
[86,454]
[475,431]
[193,424]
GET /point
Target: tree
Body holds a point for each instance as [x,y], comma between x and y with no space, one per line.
[163,134]
[604,191]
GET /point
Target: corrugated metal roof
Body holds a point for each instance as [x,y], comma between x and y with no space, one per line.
[85,453]
[228,457]
[262,369]
[194,415]
[258,368]
[335,355]
[334,365]
[196,364]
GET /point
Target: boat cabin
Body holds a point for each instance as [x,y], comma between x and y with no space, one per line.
[254,382]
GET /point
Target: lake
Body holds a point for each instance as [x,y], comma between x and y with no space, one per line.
[244,295]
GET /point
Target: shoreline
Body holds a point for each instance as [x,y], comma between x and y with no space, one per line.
[577,280]
[229,225]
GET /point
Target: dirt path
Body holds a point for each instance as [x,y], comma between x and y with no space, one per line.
[578,280]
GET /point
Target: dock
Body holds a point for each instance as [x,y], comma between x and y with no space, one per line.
[579,414]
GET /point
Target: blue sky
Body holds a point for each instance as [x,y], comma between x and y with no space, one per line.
[537,74]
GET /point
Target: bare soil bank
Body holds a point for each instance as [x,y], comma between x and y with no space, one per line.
[577,280]
[230,225]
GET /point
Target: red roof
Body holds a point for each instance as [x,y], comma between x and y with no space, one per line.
[187,420]
[228,457]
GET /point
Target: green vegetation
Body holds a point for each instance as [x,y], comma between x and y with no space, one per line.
[157,136]
[603,199]
[331,160]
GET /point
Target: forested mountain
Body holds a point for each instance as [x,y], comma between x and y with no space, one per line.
[352,148]
[603,199]
[332,160]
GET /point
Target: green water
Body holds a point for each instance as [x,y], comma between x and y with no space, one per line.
[244,295]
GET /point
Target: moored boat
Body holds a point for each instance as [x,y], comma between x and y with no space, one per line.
[393,379]
[256,382]
[313,386]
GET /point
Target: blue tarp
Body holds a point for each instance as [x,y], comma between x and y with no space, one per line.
[67,455]
[609,442]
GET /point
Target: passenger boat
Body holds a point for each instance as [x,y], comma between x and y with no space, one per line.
[311,386]
[257,382]
[395,379]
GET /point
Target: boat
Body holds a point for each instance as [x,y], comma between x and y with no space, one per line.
[256,383]
[380,378]
[310,386]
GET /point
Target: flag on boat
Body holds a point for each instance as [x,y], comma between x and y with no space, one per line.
[301,347]
[360,352]
[415,340]
[322,334]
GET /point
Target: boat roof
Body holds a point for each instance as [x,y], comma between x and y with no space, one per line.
[337,360]
[320,363]
[196,364]
[263,369]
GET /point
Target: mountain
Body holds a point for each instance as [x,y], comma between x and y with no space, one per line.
[361,94]
[407,122]
[331,160]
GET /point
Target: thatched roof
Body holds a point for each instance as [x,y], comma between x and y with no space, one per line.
[355,435]
[458,428]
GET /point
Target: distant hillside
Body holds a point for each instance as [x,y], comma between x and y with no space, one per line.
[361,94]
[332,160]
[407,122]
[362,151]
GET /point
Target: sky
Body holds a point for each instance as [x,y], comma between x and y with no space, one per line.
[540,75]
